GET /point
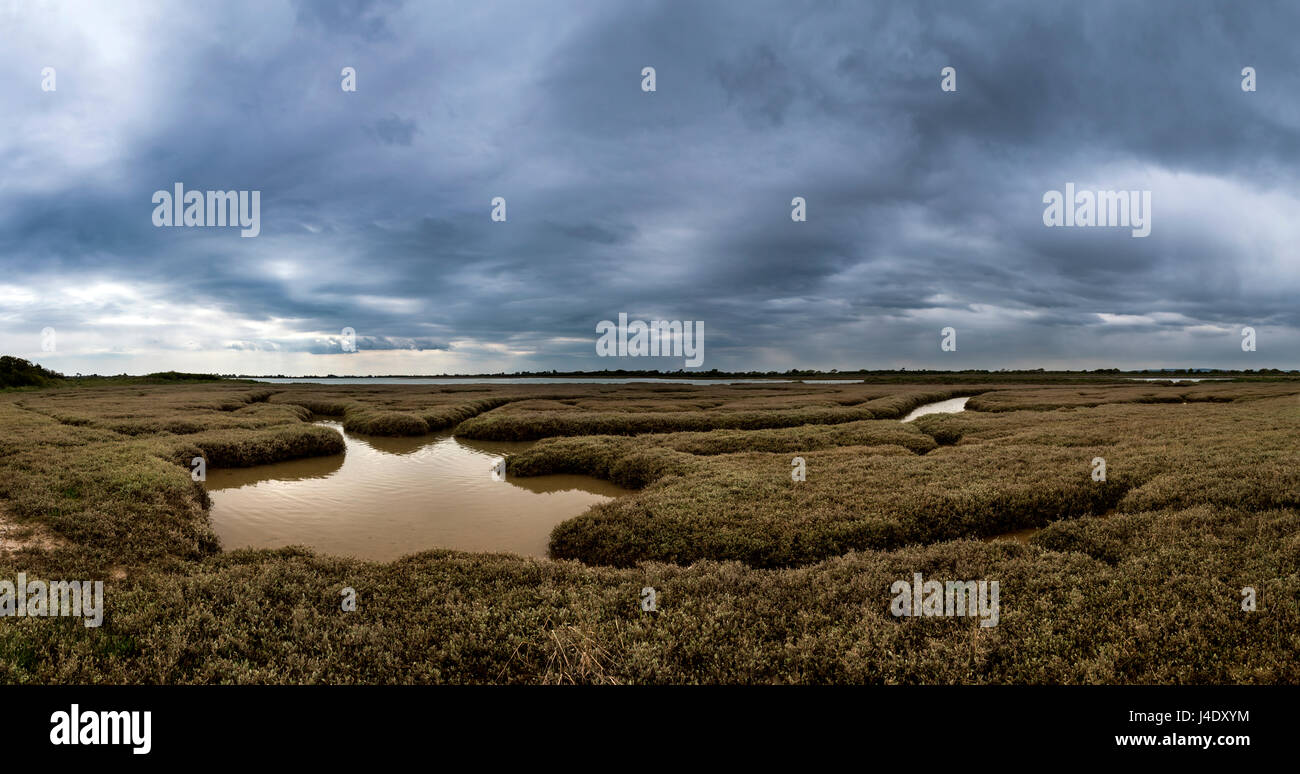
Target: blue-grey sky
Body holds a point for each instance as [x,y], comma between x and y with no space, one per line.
[924,206]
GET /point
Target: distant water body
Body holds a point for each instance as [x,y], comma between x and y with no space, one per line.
[1181,379]
[634,380]
[530,380]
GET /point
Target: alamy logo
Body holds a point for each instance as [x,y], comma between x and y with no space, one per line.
[209,208]
[1126,209]
[657,338]
[91,727]
[41,599]
[976,599]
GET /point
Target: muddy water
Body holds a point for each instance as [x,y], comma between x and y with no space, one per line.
[387,497]
[950,406]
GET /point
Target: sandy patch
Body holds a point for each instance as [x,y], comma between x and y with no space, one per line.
[15,537]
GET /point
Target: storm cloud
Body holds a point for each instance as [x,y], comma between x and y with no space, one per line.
[924,206]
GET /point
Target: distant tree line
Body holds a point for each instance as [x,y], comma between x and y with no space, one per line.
[16,372]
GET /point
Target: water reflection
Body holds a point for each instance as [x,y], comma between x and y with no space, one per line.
[386,497]
[294,470]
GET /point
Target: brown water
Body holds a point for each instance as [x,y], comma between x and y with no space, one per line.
[387,497]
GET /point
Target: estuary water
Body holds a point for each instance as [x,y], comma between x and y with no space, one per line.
[387,497]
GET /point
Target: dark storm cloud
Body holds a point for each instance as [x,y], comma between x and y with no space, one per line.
[924,207]
[760,84]
[395,131]
[330,345]
[363,18]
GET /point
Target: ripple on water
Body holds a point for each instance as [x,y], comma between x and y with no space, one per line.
[387,497]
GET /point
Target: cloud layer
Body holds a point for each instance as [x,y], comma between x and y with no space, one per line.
[924,207]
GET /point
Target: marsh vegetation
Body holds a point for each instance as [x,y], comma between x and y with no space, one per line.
[760,578]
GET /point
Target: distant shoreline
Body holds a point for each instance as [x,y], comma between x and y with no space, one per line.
[430,380]
[795,376]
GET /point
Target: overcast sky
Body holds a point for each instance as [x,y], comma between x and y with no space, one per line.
[924,206]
